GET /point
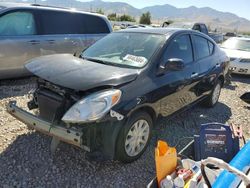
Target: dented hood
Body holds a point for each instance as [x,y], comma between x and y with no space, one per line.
[79,74]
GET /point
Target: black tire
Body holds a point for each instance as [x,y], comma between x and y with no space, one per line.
[121,153]
[209,101]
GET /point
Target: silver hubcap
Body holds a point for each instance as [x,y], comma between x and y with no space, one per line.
[137,138]
[216,93]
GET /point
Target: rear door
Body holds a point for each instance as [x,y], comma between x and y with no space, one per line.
[69,32]
[59,32]
[18,37]
[178,87]
[204,50]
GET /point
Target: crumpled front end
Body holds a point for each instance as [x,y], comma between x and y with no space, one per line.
[69,135]
[52,102]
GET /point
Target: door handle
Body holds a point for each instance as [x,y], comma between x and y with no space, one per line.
[194,74]
[217,65]
[33,42]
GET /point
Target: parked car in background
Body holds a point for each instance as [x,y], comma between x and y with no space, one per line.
[107,100]
[28,31]
[218,38]
[238,49]
[139,26]
[201,27]
[229,35]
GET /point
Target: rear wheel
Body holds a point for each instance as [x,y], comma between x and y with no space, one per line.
[134,137]
[213,98]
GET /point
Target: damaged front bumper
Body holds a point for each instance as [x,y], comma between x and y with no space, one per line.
[94,137]
[68,135]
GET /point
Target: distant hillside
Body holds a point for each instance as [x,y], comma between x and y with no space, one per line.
[214,18]
[160,13]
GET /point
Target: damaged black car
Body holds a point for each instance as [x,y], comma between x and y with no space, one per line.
[107,100]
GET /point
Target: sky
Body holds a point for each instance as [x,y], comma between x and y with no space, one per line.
[239,7]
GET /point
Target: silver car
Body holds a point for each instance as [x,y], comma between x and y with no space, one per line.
[28,31]
[238,50]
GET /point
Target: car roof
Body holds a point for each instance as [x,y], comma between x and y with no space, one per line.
[165,31]
[45,7]
[162,31]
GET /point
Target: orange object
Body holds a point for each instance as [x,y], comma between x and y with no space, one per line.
[165,160]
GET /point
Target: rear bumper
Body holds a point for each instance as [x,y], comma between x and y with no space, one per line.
[67,135]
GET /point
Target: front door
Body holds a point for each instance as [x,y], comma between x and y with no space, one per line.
[59,32]
[17,42]
[178,87]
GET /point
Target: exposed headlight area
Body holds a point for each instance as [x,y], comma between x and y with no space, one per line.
[92,107]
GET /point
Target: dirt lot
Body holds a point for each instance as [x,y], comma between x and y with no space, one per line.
[25,160]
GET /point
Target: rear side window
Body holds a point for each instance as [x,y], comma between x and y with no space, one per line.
[57,22]
[202,47]
[180,47]
[17,24]
[95,24]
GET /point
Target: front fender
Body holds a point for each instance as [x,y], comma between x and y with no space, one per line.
[141,103]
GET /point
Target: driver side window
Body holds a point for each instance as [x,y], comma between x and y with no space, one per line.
[180,47]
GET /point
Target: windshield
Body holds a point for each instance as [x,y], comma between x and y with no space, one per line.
[237,44]
[125,49]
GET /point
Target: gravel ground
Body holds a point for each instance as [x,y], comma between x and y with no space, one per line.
[25,160]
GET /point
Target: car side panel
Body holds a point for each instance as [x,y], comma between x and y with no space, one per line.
[56,44]
[208,75]
[164,95]
[181,85]
[175,90]
[210,68]
[15,51]
[64,43]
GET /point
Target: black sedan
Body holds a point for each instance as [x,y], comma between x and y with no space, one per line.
[107,100]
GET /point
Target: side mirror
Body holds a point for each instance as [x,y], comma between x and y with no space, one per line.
[173,64]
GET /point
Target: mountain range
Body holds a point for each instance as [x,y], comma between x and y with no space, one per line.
[213,18]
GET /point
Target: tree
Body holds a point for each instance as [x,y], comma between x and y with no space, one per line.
[127,18]
[145,18]
[112,17]
[100,11]
[170,21]
[124,17]
[209,28]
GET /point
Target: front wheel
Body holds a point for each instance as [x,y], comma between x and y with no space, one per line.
[134,137]
[213,98]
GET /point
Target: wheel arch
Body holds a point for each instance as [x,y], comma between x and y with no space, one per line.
[222,79]
[149,110]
